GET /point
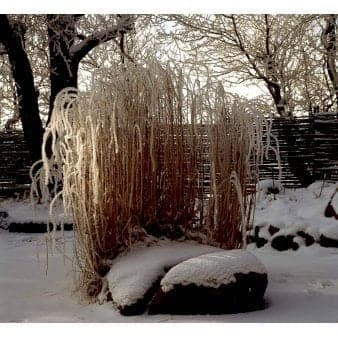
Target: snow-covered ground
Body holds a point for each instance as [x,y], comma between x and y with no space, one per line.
[297,210]
[303,284]
[23,211]
[303,287]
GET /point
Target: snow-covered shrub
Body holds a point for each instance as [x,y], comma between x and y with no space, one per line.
[129,153]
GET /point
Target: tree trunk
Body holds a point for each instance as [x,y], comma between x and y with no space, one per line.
[279,102]
[66,52]
[60,79]
[12,37]
[329,41]
[63,70]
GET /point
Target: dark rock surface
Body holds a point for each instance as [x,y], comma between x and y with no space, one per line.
[330,211]
[272,230]
[328,242]
[260,242]
[283,243]
[32,227]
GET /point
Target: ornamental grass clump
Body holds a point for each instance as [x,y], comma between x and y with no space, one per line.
[149,154]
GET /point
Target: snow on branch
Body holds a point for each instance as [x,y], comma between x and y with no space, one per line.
[124,24]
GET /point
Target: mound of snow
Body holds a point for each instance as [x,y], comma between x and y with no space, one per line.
[213,269]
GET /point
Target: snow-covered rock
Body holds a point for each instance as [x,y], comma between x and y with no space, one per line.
[328,242]
[135,276]
[213,269]
[220,282]
[307,239]
[269,186]
[331,232]
[296,213]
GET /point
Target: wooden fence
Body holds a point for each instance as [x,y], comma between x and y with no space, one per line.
[14,164]
[308,149]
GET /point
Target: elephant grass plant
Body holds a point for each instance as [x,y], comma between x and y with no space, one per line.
[149,151]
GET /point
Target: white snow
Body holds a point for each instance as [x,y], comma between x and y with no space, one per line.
[212,270]
[331,232]
[303,287]
[303,284]
[296,210]
[22,211]
[134,273]
[264,233]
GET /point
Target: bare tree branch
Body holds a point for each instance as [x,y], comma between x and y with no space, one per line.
[80,50]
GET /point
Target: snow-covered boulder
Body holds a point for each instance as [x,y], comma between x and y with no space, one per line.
[329,237]
[221,282]
[328,242]
[269,186]
[261,234]
[135,276]
[307,239]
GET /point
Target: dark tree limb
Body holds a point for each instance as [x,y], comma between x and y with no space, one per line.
[66,51]
[273,86]
[80,50]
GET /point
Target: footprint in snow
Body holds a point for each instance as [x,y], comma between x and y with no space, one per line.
[321,284]
[323,287]
[50,293]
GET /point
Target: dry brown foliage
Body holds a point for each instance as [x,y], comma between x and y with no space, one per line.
[149,153]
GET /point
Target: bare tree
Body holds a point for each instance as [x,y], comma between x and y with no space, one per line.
[66,47]
[248,48]
[12,36]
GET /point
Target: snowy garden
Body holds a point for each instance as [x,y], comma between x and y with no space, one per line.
[152,192]
[302,282]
